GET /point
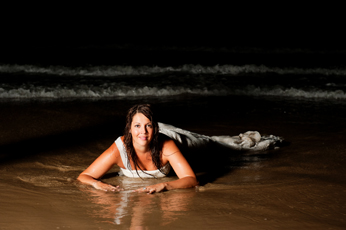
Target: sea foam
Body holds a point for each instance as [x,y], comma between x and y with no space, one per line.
[28,81]
[147,70]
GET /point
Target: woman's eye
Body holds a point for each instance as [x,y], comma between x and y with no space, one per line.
[149,126]
[137,126]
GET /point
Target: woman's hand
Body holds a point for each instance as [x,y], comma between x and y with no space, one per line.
[152,188]
[106,187]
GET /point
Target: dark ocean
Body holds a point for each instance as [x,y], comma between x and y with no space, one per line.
[125,71]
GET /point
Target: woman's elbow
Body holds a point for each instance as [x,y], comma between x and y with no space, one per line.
[83,177]
[196,183]
[80,177]
[193,182]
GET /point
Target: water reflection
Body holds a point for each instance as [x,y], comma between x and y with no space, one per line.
[133,210]
[138,210]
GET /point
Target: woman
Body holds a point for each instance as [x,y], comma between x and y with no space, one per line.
[144,150]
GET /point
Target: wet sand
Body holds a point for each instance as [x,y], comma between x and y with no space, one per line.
[46,144]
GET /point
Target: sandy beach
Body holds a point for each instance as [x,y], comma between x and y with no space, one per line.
[46,144]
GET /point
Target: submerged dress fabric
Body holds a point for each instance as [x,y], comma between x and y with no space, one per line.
[240,142]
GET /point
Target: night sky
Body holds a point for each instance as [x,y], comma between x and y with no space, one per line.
[96,37]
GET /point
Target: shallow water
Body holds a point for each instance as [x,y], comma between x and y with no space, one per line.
[46,144]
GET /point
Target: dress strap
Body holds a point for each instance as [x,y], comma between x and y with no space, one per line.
[123,153]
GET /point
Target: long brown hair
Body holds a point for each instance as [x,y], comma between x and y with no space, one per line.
[154,146]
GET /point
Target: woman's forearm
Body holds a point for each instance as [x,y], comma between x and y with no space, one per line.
[186,182]
[87,179]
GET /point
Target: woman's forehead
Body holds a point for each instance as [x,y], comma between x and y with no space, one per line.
[139,117]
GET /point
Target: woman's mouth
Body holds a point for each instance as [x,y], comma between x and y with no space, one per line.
[143,138]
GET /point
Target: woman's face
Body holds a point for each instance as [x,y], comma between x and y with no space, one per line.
[141,130]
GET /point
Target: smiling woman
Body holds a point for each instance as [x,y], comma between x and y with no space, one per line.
[142,149]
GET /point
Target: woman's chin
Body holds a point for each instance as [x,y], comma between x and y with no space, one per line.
[142,142]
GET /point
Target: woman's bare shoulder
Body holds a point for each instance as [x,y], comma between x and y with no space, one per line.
[169,147]
[166,141]
[113,149]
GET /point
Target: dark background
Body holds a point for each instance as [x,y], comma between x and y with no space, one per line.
[170,34]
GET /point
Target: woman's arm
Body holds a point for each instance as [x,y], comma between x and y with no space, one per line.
[187,178]
[99,167]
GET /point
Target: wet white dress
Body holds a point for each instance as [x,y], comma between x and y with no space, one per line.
[250,140]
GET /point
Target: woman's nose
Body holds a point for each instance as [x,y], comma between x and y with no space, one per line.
[144,129]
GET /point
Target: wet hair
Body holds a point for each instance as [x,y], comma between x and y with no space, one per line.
[155,144]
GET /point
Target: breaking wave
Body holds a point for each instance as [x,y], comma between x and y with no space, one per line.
[147,70]
[28,81]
